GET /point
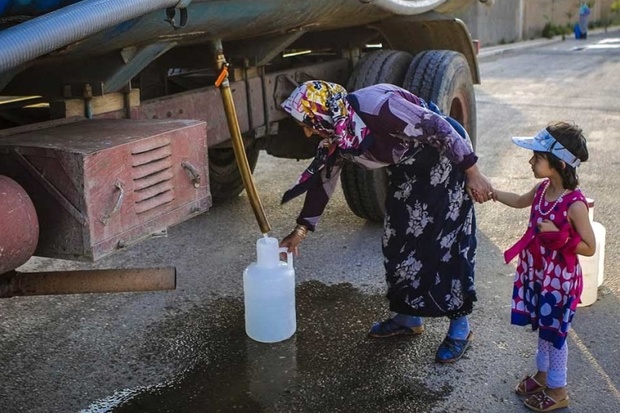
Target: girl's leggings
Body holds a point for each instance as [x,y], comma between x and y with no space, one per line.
[552,361]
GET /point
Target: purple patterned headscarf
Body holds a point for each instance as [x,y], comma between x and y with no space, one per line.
[322,106]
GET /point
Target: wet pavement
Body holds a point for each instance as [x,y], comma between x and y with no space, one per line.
[329,365]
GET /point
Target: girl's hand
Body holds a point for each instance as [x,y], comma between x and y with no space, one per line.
[547,226]
[478,197]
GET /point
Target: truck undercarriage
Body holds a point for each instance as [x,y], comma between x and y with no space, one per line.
[123,133]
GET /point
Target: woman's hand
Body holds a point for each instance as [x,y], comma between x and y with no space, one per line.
[478,186]
[292,240]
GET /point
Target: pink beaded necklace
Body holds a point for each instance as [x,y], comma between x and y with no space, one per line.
[542,196]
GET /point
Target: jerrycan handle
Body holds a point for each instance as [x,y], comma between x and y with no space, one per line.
[289,257]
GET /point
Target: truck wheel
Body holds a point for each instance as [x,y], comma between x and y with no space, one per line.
[224,175]
[443,77]
[365,190]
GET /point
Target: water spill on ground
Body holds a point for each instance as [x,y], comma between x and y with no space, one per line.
[328,366]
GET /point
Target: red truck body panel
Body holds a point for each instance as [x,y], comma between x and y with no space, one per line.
[100,185]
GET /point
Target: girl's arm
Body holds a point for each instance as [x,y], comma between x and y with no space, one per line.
[515,200]
[578,216]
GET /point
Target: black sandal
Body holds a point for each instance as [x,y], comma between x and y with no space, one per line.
[451,349]
[389,328]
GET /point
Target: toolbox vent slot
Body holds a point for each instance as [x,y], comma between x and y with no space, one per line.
[152,175]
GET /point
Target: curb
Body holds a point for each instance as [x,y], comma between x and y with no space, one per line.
[490,51]
[527,44]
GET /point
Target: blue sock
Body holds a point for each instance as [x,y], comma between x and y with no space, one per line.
[408,320]
[459,328]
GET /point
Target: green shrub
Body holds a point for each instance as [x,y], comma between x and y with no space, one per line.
[551,30]
[547,31]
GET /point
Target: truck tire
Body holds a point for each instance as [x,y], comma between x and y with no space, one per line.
[365,190]
[224,176]
[443,77]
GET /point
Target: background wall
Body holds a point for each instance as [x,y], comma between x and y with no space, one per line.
[509,21]
[496,24]
[558,12]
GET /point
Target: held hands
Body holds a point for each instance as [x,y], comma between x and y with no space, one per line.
[478,186]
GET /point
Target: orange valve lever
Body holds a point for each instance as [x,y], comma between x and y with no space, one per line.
[223,75]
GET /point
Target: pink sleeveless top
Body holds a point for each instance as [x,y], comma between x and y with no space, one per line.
[548,279]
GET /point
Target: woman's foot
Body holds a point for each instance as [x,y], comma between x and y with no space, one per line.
[532,384]
[459,328]
[451,350]
[395,326]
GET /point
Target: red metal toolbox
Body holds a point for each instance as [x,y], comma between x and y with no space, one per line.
[100,185]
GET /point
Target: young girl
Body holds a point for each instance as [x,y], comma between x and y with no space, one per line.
[548,280]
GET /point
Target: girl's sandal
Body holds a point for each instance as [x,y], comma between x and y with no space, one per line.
[542,402]
[529,386]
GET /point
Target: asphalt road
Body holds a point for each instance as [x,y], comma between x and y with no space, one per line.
[186,350]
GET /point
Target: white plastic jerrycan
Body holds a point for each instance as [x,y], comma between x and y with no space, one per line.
[269,294]
[593,267]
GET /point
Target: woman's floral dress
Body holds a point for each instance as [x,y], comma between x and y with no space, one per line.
[429,242]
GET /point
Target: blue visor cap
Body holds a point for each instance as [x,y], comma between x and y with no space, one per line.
[544,142]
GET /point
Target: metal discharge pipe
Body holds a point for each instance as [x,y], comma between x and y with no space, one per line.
[15,284]
[237,141]
[29,40]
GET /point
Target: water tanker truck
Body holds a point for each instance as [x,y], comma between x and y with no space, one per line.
[114,125]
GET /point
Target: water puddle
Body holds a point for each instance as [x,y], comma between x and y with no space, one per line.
[329,365]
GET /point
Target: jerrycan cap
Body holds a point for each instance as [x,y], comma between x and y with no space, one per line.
[268,253]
